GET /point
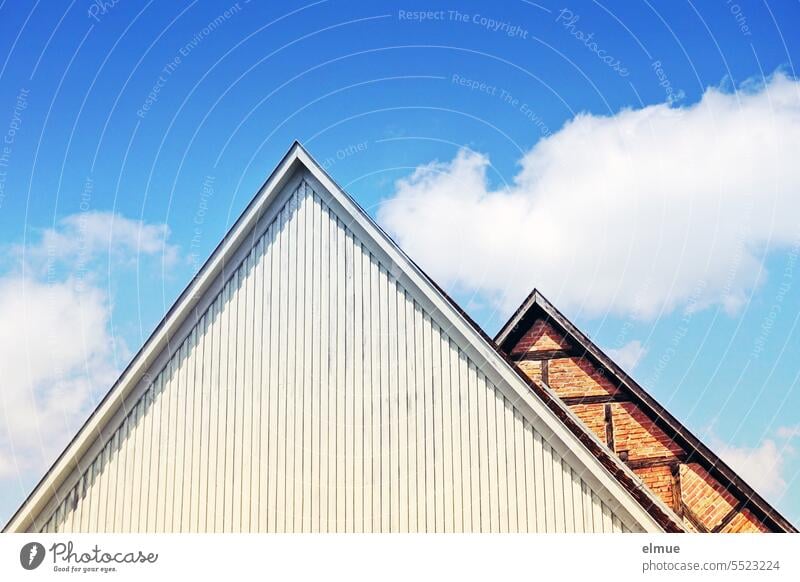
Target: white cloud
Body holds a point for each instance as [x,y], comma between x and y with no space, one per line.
[81,237]
[788,432]
[629,355]
[762,466]
[55,358]
[649,209]
[57,352]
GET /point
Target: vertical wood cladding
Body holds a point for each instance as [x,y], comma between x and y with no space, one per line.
[315,395]
[592,394]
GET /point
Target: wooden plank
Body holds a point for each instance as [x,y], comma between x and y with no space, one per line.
[543,355]
[207,391]
[491,458]
[609,424]
[377,396]
[187,430]
[420,420]
[245,360]
[430,483]
[327,376]
[476,486]
[348,349]
[392,404]
[577,502]
[156,457]
[232,435]
[541,479]
[384,367]
[520,478]
[402,410]
[511,466]
[438,427]
[259,420]
[465,446]
[459,420]
[530,478]
[318,366]
[289,281]
[412,434]
[501,448]
[283,451]
[358,387]
[558,492]
[368,341]
[595,399]
[447,434]
[341,388]
[297,284]
[219,402]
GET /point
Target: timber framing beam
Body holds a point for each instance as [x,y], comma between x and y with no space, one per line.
[728,517]
[545,355]
[609,420]
[654,462]
[594,399]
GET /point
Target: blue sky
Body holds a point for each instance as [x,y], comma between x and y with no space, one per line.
[135,133]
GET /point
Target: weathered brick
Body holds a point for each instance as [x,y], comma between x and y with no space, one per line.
[541,336]
[660,481]
[578,377]
[532,369]
[708,500]
[592,416]
[636,433]
[744,522]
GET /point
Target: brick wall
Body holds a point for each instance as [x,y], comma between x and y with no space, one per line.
[578,377]
[651,453]
[541,336]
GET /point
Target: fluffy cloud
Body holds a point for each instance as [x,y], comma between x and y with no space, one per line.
[762,466]
[789,432]
[647,210]
[79,238]
[629,355]
[57,353]
[55,357]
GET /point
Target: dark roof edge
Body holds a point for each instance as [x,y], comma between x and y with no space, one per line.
[699,452]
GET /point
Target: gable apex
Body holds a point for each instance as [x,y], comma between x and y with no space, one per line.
[297,168]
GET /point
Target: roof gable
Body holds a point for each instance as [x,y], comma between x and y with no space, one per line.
[538,332]
[551,420]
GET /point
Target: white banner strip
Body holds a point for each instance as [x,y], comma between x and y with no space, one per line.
[378,558]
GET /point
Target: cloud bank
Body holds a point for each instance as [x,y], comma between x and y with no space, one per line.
[57,352]
[637,213]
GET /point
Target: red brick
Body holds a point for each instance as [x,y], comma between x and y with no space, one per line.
[636,433]
[708,500]
[541,336]
[578,377]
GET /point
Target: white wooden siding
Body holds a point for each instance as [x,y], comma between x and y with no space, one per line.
[314,394]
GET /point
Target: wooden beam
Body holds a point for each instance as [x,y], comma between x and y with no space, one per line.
[541,355]
[594,399]
[609,426]
[677,495]
[728,517]
[654,462]
[546,372]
